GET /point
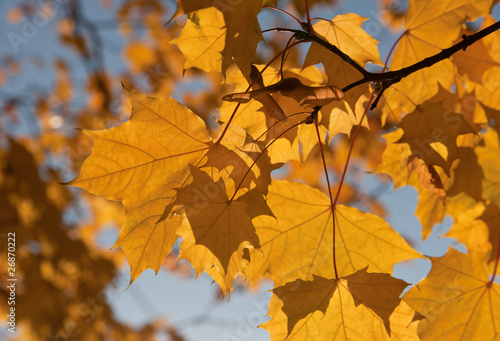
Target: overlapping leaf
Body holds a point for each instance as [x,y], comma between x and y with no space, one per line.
[282,138]
[423,20]
[220,229]
[345,32]
[214,36]
[458,298]
[299,245]
[202,41]
[431,131]
[362,306]
[489,158]
[141,162]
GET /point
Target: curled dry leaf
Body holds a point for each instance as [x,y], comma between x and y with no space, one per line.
[428,177]
[292,87]
[270,106]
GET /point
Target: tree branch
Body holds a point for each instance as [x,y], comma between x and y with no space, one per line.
[392,77]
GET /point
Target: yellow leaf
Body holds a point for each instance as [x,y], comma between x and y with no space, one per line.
[491,216]
[345,32]
[469,228]
[264,128]
[458,299]
[291,87]
[220,229]
[240,161]
[308,137]
[468,175]
[140,163]
[202,40]
[299,242]
[340,118]
[214,36]
[428,177]
[394,159]
[430,209]
[420,40]
[269,105]
[475,60]
[429,123]
[362,306]
[489,159]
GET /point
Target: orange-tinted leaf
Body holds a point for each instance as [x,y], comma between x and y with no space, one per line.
[458,286]
[220,230]
[270,107]
[202,40]
[345,32]
[423,19]
[240,162]
[350,308]
[140,163]
[431,131]
[489,159]
[292,87]
[299,242]
[428,177]
[214,36]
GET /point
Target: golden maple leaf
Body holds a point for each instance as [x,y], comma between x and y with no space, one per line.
[219,229]
[299,241]
[213,36]
[141,162]
[419,40]
[458,298]
[431,131]
[360,306]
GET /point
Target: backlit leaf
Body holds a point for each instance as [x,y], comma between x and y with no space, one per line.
[458,299]
[360,306]
[299,245]
[431,131]
[141,162]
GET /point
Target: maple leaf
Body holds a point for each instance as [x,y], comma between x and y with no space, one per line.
[468,175]
[214,35]
[394,159]
[431,131]
[220,229]
[469,228]
[202,41]
[281,138]
[141,162]
[489,159]
[476,60]
[345,32]
[299,242]
[458,285]
[419,40]
[428,177]
[350,308]
[291,87]
[340,118]
[269,105]
[430,209]
[240,161]
[491,216]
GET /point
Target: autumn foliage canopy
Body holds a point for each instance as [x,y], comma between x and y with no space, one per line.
[259,176]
